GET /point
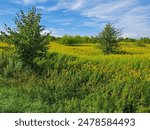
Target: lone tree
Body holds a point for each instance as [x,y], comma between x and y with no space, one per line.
[27,37]
[108,39]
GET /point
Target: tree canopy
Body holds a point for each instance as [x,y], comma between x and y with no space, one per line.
[108,38]
[27,37]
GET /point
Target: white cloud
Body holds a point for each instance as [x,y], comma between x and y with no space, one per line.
[136,22]
[77,4]
[108,10]
[54,31]
[29,1]
[127,14]
[65,4]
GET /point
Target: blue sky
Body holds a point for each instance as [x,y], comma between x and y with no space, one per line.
[84,17]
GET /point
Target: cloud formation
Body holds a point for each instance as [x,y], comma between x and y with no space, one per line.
[54,31]
[29,1]
[131,15]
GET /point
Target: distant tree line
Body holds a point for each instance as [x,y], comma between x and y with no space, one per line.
[144,40]
[74,40]
[121,39]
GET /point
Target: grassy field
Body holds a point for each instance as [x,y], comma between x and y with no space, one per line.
[91,51]
[78,79]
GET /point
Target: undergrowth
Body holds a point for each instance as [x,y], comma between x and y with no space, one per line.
[64,83]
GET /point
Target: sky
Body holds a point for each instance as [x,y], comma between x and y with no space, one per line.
[83,17]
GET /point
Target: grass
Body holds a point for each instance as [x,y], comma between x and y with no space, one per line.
[78,79]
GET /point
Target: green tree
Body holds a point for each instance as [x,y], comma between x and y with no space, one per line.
[143,41]
[27,37]
[108,39]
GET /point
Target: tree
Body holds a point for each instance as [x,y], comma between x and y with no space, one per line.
[143,41]
[108,39]
[27,37]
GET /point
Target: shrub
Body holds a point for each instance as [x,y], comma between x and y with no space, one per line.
[70,40]
[141,42]
[93,39]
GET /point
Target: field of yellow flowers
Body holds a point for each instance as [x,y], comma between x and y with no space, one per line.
[91,51]
[78,79]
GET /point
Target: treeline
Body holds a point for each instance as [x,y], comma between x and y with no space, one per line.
[76,40]
[121,39]
[140,42]
[145,40]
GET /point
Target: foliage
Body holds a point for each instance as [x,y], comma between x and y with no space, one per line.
[70,40]
[76,40]
[121,39]
[145,40]
[73,79]
[85,39]
[27,38]
[52,38]
[93,39]
[142,41]
[108,39]
[1,38]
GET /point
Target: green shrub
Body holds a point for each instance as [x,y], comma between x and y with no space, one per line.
[141,42]
[70,40]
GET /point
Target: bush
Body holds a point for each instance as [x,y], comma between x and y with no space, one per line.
[70,40]
[52,38]
[85,39]
[141,42]
[93,39]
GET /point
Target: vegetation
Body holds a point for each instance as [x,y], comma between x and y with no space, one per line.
[1,38]
[121,39]
[108,39]
[76,40]
[71,77]
[27,38]
[70,40]
[143,41]
[74,80]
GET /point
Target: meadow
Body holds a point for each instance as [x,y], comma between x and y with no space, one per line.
[77,79]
